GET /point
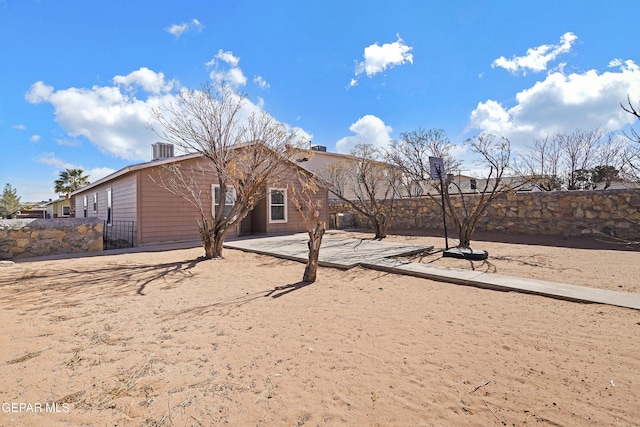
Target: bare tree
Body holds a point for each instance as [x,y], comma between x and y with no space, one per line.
[578,150]
[310,209]
[411,154]
[367,184]
[632,154]
[494,155]
[243,151]
[609,161]
[542,164]
[580,160]
[634,111]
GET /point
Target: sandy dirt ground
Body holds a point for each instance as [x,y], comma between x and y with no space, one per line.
[166,339]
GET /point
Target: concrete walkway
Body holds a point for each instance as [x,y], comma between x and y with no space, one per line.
[347,253]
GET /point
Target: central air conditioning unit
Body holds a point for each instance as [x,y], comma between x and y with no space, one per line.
[162,150]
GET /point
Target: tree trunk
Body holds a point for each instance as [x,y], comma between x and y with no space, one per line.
[212,243]
[380,227]
[207,241]
[315,240]
[218,241]
[464,235]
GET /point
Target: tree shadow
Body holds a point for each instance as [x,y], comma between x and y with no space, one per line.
[227,305]
[280,291]
[52,287]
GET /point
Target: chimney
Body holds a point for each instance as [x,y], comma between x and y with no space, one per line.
[319,148]
[162,150]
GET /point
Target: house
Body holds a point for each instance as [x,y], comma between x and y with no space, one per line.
[318,161]
[32,210]
[60,208]
[139,210]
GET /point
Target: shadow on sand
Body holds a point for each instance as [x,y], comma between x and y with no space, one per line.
[226,306]
[68,287]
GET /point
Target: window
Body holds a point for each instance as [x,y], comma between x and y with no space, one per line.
[277,205]
[109,212]
[95,202]
[66,210]
[85,203]
[229,200]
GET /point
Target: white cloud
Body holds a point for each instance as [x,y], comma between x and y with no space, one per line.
[19,127]
[69,142]
[94,173]
[563,102]
[379,58]
[227,57]
[178,29]
[97,173]
[234,76]
[261,83]
[39,92]
[368,129]
[303,135]
[52,160]
[35,138]
[148,80]
[536,58]
[113,121]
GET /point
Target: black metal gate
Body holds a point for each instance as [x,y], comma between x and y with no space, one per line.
[119,234]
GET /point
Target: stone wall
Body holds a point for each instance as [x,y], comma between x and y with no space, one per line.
[21,238]
[561,213]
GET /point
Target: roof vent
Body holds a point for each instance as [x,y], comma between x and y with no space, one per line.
[319,148]
[162,150]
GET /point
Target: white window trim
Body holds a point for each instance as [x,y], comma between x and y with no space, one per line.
[109,207]
[276,221]
[95,202]
[213,197]
[85,206]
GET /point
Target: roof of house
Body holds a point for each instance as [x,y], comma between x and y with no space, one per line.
[61,199]
[152,163]
[136,167]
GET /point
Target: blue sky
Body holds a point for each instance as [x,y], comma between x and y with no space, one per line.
[78,77]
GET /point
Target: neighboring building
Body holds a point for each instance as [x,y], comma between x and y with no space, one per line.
[131,196]
[470,185]
[318,160]
[60,208]
[32,210]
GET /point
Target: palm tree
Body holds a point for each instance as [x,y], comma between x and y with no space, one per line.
[70,180]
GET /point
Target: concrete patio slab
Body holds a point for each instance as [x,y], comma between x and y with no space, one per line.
[337,252]
[347,253]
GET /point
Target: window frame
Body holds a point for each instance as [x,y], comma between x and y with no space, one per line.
[95,202]
[213,197]
[270,204]
[85,206]
[109,207]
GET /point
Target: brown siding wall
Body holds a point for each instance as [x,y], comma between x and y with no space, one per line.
[123,198]
[163,217]
[166,217]
[123,193]
[295,223]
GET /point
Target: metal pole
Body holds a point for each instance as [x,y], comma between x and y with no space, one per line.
[444,214]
